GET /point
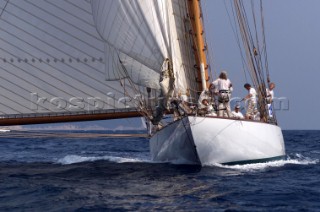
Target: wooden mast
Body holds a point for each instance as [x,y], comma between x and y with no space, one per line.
[199,44]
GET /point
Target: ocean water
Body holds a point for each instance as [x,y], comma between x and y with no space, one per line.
[46,172]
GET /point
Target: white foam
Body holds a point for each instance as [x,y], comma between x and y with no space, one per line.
[71,159]
[298,160]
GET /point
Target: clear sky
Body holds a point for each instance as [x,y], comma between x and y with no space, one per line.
[293,43]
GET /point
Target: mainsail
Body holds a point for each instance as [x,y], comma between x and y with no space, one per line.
[50,53]
[81,57]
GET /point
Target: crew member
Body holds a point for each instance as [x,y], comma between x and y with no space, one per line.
[270,96]
[236,113]
[252,101]
[224,88]
[256,115]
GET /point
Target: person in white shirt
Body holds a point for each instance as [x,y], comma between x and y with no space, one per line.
[223,88]
[270,93]
[256,115]
[270,96]
[214,96]
[206,108]
[236,113]
[205,95]
[252,100]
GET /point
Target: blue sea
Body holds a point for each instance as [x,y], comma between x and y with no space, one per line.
[50,171]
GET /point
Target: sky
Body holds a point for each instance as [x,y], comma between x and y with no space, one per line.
[293,44]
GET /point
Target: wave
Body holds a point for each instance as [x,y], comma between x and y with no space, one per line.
[71,159]
[315,152]
[297,159]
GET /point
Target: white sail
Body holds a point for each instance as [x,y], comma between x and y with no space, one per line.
[72,56]
[54,60]
[182,53]
[146,32]
[136,28]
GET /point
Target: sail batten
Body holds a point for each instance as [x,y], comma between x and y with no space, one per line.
[66,8]
[27,23]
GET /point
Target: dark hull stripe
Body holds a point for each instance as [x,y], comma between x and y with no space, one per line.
[282,157]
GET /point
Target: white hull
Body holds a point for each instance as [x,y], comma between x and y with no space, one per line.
[210,140]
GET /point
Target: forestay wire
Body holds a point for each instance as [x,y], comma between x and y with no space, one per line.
[236,33]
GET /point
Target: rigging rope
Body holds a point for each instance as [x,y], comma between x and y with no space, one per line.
[264,42]
[142,106]
[235,32]
[256,58]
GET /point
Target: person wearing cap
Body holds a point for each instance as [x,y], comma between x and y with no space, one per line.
[251,100]
[236,113]
[223,88]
